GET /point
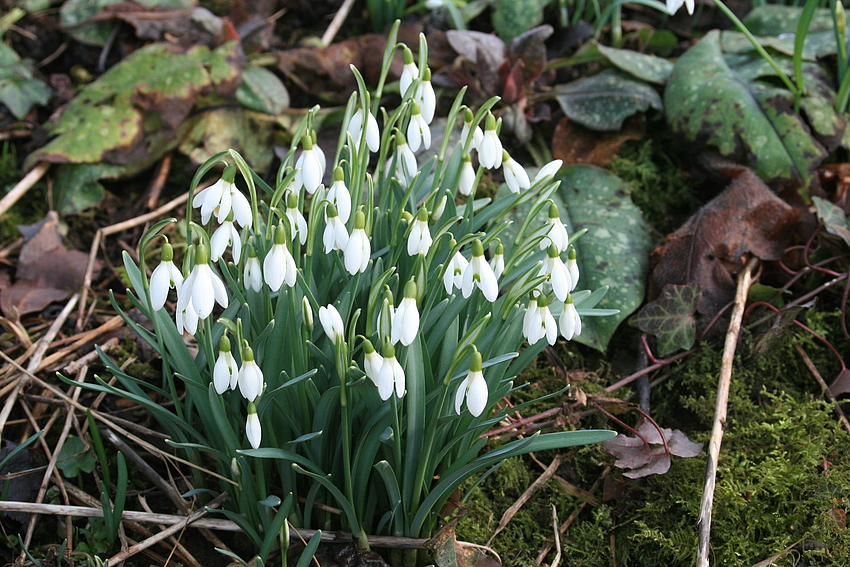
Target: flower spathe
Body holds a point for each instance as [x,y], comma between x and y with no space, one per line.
[419,240]
[252,426]
[473,388]
[391,376]
[406,319]
[251,381]
[358,249]
[202,286]
[164,277]
[548,171]
[570,322]
[479,273]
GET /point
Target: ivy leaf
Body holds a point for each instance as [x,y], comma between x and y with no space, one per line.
[670,318]
[74,459]
[19,90]
[833,218]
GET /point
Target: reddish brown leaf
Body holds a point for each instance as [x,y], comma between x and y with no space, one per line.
[485,51]
[747,218]
[574,143]
[841,384]
[530,49]
[650,457]
[155,23]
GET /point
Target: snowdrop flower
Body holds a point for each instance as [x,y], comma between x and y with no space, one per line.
[225,371]
[339,195]
[279,265]
[479,274]
[309,169]
[252,276]
[226,235]
[572,267]
[252,426]
[250,379]
[453,276]
[547,171]
[557,233]
[473,387]
[515,175]
[559,274]
[332,323]
[674,5]
[477,134]
[406,168]
[202,286]
[530,313]
[406,319]
[466,181]
[419,239]
[409,73]
[320,154]
[372,361]
[541,323]
[164,277]
[297,222]
[221,198]
[391,375]
[490,148]
[186,318]
[355,128]
[497,262]
[418,131]
[358,249]
[434,4]
[335,236]
[569,321]
[426,97]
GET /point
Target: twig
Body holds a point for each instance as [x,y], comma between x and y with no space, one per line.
[557,537]
[826,392]
[158,182]
[744,280]
[529,492]
[24,185]
[337,22]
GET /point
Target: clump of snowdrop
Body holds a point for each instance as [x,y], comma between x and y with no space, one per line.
[410,288]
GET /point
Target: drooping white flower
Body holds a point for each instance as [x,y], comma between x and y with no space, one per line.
[186,318]
[477,134]
[252,426]
[490,148]
[409,72]
[572,266]
[497,262]
[225,371]
[674,5]
[418,131]
[335,236]
[202,286]
[515,176]
[339,195]
[373,134]
[530,312]
[473,388]
[332,323]
[279,265]
[358,249]
[226,235]
[221,198]
[480,274]
[320,154]
[252,275]
[547,171]
[540,322]
[309,170]
[391,376]
[453,276]
[466,181]
[559,274]
[372,361]
[164,277]
[426,97]
[570,322]
[251,381]
[406,168]
[419,240]
[406,319]
[297,222]
[557,233]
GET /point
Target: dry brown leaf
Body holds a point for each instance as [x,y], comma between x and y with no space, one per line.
[47,272]
[649,458]
[573,143]
[747,218]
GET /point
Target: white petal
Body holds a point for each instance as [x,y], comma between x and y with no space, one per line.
[241,208]
[159,286]
[274,267]
[399,379]
[252,430]
[221,374]
[386,380]
[560,280]
[476,397]
[461,394]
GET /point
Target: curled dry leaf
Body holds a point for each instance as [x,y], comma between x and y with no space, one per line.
[650,457]
[747,218]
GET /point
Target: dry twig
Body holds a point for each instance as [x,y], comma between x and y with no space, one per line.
[826,392]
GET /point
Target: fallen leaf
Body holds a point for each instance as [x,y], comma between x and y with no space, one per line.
[747,218]
[21,488]
[448,552]
[649,457]
[47,272]
[485,51]
[573,143]
[841,384]
[779,332]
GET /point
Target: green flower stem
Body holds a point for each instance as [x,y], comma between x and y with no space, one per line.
[399,462]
